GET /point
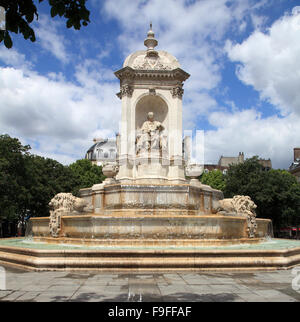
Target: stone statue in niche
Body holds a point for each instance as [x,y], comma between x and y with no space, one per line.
[150,137]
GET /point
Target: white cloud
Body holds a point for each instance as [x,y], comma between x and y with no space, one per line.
[11,57]
[62,117]
[270,62]
[49,37]
[246,131]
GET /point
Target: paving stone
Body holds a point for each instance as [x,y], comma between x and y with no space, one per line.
[274,295]
[199,280]
[87,297]
[241,289]
[52,297]
[166,290]
[201,289]
[117,282]
[4,293]
[221,288]
[114,288]
[290,292]
[92,289]
[34,287]
[13,296]
[96,284]
[252,297]
[237,298]
[226,297]
[28,296]
[177,281]
[159,287]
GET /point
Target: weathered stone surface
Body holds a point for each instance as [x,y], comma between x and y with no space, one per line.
[193,170]
[242,206]
[149,259]
[63,203]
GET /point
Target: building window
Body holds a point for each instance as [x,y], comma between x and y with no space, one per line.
[100,152]
[112,153]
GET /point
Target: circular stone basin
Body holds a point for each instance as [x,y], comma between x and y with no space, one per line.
[267,244]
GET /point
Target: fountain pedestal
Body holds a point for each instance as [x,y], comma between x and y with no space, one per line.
[150,215]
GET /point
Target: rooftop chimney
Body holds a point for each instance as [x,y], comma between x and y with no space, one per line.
[296,153]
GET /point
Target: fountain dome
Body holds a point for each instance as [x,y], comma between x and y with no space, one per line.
[150,59]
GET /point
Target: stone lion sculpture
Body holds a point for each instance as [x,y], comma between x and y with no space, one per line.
[243,206]
[63,203]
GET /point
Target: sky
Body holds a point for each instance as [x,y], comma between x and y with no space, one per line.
[58,93]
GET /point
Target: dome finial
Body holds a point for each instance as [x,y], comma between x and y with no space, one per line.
[150,42]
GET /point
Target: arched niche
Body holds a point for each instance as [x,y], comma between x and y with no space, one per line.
[151,103]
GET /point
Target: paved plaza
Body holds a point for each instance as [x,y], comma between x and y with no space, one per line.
[272,286]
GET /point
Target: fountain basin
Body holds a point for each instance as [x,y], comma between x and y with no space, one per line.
[142,229]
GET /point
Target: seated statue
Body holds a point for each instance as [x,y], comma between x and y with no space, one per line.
[150,137]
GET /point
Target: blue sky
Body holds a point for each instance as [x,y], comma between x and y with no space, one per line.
[58,93]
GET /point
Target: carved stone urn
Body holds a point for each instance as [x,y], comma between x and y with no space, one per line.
[194,171]
[110,170]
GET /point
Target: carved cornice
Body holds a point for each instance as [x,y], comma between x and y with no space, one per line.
[177,92]
[128,73]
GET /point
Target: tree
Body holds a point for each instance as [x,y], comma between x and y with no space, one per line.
[21,13]
[275,192]
[43,179]
[12,167]
[215,179]
[28,182]
[87,174]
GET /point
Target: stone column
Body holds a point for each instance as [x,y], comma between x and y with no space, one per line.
[176,171]
[125,169]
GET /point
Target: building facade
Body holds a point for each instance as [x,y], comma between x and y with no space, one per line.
[225,162]
[295,166]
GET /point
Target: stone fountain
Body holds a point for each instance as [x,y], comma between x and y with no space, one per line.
[151,213]
[146,199]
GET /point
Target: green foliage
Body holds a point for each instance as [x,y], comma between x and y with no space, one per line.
[28,182]
[12,164]
[276,192]
[86,173]
[244,177]
[215,179]
[44,178]
[21,13]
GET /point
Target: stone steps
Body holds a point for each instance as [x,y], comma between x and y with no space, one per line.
[148,260]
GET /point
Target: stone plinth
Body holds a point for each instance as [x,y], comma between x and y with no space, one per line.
[164,197]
